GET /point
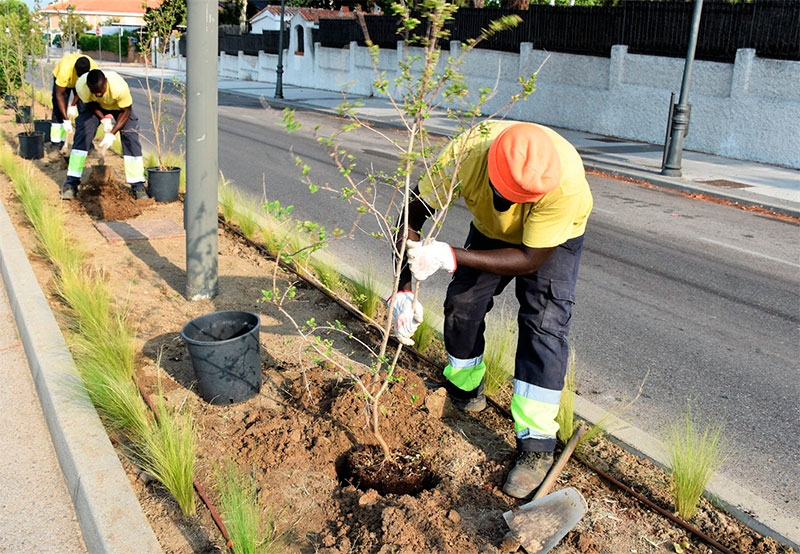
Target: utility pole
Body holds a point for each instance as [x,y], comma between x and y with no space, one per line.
[279,78]
[202,165]
[682,112]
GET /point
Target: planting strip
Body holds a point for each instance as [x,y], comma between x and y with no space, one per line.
[501,409]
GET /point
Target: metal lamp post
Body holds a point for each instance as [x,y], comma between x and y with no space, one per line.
[279,78]
[682,112]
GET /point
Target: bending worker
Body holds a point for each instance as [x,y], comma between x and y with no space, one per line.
[527,191]
[107,101]
[65,74]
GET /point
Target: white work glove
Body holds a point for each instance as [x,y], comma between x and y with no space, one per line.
[108,123]
[67,126]
[426,260]
[72,111]
[108,140]
[406,316]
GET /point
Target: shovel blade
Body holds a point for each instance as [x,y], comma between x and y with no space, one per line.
[541,524]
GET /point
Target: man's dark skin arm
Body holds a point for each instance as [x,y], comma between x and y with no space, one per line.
[517,260]
[62,105]
[122,119]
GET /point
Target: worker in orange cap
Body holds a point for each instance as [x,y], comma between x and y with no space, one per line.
[526,188]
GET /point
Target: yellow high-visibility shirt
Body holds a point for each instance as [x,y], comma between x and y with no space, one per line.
[558,216]
[116,97]
[64,71]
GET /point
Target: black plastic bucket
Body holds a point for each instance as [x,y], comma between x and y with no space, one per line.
[31,145]
[24,114]
[225,351]
[42,126]
[164,184]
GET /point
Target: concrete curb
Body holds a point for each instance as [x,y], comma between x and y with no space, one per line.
[109,514]
[742,504]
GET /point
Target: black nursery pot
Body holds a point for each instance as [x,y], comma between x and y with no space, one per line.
[224,348]
[42,126]
[163,184]
[23,114]
[31,145]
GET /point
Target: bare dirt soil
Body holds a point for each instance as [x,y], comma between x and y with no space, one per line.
[294,435]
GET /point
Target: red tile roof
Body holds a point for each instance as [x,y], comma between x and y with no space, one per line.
[309,14]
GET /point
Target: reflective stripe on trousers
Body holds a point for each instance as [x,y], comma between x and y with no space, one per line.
[545,301]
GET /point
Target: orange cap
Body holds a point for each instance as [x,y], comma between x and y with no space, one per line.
[523,163]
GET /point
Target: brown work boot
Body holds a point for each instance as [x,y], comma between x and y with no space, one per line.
[528,473]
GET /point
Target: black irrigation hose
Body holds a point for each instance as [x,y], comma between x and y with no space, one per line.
[200,492]
[357,314]
[652,505]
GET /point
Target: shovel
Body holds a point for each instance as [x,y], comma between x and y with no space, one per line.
[541,523]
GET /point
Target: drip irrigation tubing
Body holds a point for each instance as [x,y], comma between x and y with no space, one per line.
[200,492]
[688,527]
[661,511]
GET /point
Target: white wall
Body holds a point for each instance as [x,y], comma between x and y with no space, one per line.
[749,109]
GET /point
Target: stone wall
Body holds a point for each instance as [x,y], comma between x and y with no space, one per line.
[748,110]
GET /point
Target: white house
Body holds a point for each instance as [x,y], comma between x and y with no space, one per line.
[268,19]
[301,42]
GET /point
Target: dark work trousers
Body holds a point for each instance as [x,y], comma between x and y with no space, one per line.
[85,129]
[545,301]
[57,133]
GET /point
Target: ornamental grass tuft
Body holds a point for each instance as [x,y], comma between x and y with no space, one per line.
[695,455]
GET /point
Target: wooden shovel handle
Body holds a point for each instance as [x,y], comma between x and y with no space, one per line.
[555,471]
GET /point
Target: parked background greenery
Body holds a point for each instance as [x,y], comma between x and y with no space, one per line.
[89,42]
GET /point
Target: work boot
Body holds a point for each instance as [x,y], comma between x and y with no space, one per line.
[54,152]
[139,193]
[68,192]
[473,405]
[528,473]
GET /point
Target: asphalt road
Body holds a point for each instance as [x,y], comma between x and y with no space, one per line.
[682,304]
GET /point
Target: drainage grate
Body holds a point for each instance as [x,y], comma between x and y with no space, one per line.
[726,184]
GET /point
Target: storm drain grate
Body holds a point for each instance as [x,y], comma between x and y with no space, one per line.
[725,184]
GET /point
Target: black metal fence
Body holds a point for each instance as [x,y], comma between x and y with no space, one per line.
[251,45]
[771,27]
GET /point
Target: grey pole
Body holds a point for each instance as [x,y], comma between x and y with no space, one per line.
[200,203]
[682,113]
[279,71]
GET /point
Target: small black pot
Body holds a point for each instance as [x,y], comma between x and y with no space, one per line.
[24,114]
[224,348]
[31,145]
[42,126]
[9,101]
[163,184]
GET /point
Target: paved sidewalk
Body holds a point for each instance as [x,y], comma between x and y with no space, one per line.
[30,478]
[35,493]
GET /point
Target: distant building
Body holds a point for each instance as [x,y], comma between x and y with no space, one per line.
[124,12]
[268,18]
